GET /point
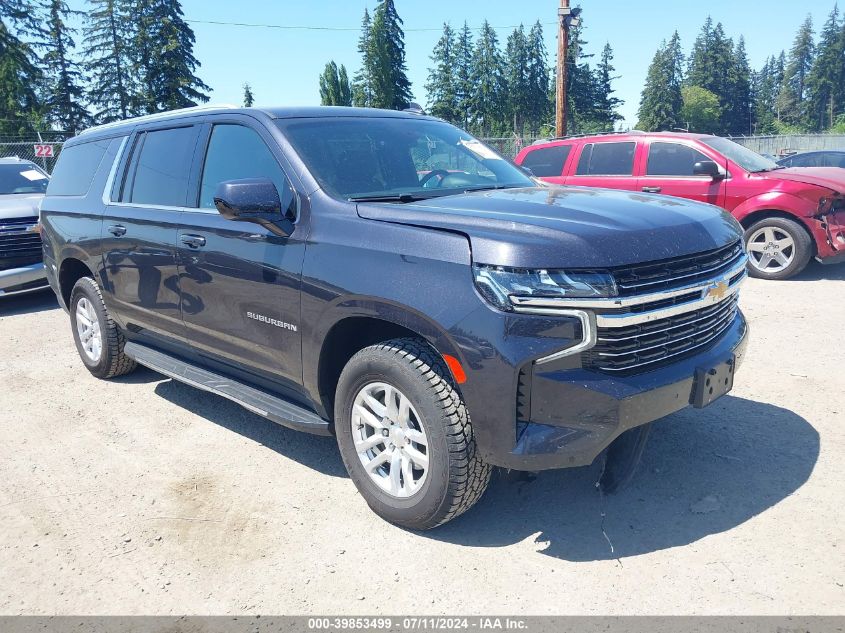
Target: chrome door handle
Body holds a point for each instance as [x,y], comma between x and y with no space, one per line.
[192,241]
[652,189]
[118,230]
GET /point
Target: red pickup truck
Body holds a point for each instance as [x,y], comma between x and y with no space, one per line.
[790,215]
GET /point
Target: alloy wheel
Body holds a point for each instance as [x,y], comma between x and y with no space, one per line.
[771,249]
[88,329]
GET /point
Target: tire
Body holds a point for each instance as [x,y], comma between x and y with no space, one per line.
[86,300]
[767,234]
[623,457]
[455,477]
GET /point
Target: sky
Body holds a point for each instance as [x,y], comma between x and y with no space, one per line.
[283,65]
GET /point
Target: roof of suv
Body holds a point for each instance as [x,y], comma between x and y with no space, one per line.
[632,134]
[14,160]
[300,112]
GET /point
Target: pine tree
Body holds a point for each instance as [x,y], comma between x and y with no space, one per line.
[19,73]
[824,88]
[661,101]
[488,83]
[766,85]
[441,87]
[607,105]
[540,106]
[63,75]
[712,67]
[391,86]
[249,98]
[738,117]
[334,86]
[362,83]
[163,61]
[463,74]
[517,82]
[107,64]
[791,102]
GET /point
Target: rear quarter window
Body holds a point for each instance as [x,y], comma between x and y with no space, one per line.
[76,167]
[547,161]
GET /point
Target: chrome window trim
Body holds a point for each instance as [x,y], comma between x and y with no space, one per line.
[588,328]
[113,172]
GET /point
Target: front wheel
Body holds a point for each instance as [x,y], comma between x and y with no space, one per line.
[777,248]
[405,435]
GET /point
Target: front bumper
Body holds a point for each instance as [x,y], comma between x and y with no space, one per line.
[576,413]
[23,279]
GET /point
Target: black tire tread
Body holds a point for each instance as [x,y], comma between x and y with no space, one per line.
[803,246]
[468,474]
[113,339]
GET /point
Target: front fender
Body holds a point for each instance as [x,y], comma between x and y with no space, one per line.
[777,201]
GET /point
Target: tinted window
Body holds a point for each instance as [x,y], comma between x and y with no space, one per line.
[835,159]
[607,159]
[76,167]
[672,159]
[547,161]
[160,167]
[236,152]
[22,178]
[748,159]
[807,160]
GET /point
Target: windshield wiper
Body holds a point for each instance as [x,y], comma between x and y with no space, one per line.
[402,197]
[767,169]
[489,188]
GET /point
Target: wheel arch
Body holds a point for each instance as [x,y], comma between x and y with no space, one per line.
[71,270]
[761,214]
[353,332]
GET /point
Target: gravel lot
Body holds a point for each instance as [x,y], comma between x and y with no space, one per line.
[142,495]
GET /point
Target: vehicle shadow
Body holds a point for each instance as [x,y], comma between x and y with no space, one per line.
[29,303]
[703,472]
[317,452]
[818,272]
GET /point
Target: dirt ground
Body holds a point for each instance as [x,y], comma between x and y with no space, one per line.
[142,496]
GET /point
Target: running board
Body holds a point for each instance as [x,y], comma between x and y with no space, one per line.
[268,406]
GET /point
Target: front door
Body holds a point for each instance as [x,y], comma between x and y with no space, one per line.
[669,170]
[139,232]
[240,282]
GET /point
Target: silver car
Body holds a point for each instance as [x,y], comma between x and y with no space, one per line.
[22,186]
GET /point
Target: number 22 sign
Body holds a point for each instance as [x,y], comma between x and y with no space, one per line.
[43,151]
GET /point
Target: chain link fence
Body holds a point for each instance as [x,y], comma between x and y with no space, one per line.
[510,146]
[778,146]
[41,153]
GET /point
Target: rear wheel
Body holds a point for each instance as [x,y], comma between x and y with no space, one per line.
[777,248]
[98,340]
[405,435]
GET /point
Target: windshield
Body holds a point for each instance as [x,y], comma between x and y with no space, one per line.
[399,159]
[22,178]
[747,159]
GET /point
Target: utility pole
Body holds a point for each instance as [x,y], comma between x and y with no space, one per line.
[566,18]
[562,48]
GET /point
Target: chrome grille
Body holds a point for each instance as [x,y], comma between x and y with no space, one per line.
[671,273]
[655,343]
[18,245]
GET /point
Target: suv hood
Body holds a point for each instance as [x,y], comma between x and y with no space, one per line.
[574,227]
[830,177]
[19,205]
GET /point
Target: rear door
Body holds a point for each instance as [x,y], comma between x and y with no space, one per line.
[240,282]
[669,170]
[605,164]
[140,224]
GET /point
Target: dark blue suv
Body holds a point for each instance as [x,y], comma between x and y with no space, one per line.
[386,278]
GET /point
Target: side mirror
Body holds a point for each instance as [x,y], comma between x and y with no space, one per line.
[707,168]
[253,200]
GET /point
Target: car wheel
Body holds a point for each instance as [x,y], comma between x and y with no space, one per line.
[405,435]
[98,340]
[777,248]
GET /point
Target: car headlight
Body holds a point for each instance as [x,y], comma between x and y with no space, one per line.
[498,284]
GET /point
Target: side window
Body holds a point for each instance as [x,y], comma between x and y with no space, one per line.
[547,161]
[236,152]
[160,166]
[76,168]
[808,160]
[672,159]
[607,159]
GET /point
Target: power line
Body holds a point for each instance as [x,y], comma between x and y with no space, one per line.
[287,27]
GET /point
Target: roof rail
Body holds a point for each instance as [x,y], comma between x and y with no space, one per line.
[632,132]
[157,116]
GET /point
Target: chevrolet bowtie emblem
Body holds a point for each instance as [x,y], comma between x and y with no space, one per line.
[717,290]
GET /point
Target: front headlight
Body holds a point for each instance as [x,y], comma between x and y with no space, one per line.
[497,284]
